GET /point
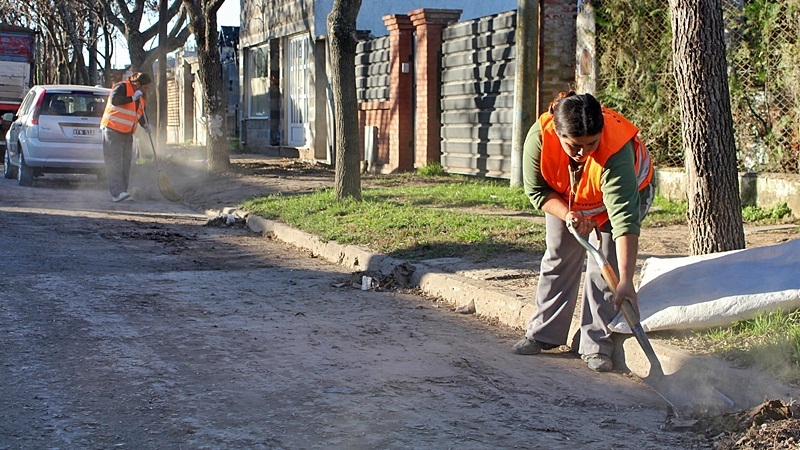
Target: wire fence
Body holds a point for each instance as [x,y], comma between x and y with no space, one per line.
[635,77]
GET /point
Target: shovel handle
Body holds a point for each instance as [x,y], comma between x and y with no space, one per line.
[634,320]
[605,268]
[628,311]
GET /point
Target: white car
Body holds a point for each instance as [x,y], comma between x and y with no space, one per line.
[56,130]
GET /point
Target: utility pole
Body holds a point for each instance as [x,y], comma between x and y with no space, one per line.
[161,134]
[526,75]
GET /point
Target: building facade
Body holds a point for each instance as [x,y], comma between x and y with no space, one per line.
[285,92]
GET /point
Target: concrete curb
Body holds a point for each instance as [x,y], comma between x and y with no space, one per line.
[747,388]
[456,290]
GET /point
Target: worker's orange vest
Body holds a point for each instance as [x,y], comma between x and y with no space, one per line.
[123,118]
[588,196]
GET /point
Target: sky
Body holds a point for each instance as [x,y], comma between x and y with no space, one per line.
[228,15]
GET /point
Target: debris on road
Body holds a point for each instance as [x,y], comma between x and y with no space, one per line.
[466,309]
[770,425]
[398,278]
[236,218]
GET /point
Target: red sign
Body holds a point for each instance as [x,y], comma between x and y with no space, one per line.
[16,47]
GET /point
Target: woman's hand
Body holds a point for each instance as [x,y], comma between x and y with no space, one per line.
[626,290]
[627,250]
[582,225]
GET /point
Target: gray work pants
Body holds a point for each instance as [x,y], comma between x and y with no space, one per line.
[557,291]
[118,154]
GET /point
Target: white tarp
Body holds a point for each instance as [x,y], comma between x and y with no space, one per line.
[719,289]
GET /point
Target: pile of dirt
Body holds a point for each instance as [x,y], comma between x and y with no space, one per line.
[772,425]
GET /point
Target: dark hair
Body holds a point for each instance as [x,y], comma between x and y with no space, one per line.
[141,78]
[576,115]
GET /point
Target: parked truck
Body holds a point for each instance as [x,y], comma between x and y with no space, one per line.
[17,47]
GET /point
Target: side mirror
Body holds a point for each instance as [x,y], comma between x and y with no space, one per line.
[8,117]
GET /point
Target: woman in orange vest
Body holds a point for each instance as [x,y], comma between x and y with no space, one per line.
[123,112]
[584,164]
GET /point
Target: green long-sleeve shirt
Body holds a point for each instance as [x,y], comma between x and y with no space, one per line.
[621,195]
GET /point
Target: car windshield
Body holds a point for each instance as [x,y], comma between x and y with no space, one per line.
[79,104]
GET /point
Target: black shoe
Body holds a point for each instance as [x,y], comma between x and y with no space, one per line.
[530,347]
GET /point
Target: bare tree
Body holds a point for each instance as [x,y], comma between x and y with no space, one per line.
[67,28]
[76,37]
[203,24]
[714,205]
[62,38]
[129,23]
[342,42]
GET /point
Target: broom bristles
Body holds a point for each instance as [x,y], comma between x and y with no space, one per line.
[166,188]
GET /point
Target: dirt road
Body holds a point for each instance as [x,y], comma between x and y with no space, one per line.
[133,325]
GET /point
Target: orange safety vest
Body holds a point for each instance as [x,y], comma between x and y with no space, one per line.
[588,195]
[123,118]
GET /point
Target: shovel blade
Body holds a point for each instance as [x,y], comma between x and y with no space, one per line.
[687,397]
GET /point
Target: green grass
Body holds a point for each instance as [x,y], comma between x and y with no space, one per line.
[453,191]
[428,214]
[665,212]
[770,342]
[768,215]
[391,221]
[433,169]
[670,212]
[486,195]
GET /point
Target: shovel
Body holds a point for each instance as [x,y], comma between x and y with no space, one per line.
[683,398]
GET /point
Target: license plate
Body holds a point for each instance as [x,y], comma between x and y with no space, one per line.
[83,131]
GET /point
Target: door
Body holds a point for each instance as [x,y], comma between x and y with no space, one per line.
[20,117]
[297,101]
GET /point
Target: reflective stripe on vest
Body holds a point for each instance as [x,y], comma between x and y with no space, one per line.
[123,118]
[554,163]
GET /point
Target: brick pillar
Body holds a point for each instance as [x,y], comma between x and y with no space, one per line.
[429,24]
[401,145]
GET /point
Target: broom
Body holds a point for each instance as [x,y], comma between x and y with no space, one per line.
[164,185]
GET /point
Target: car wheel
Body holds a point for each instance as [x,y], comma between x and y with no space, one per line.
[9,170]
[24,172]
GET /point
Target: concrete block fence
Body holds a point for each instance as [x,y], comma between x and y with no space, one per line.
[438,90]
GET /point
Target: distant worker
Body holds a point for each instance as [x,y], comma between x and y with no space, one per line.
[584,164]
[124,109]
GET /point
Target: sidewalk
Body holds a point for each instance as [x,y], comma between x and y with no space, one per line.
[463,284]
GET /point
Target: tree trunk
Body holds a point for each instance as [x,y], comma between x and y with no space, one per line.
[526,73]
[138,54]
[93,33]
[161,76]
[217,150]
[203,23]
[109,52]
[342,44]
[714,206]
